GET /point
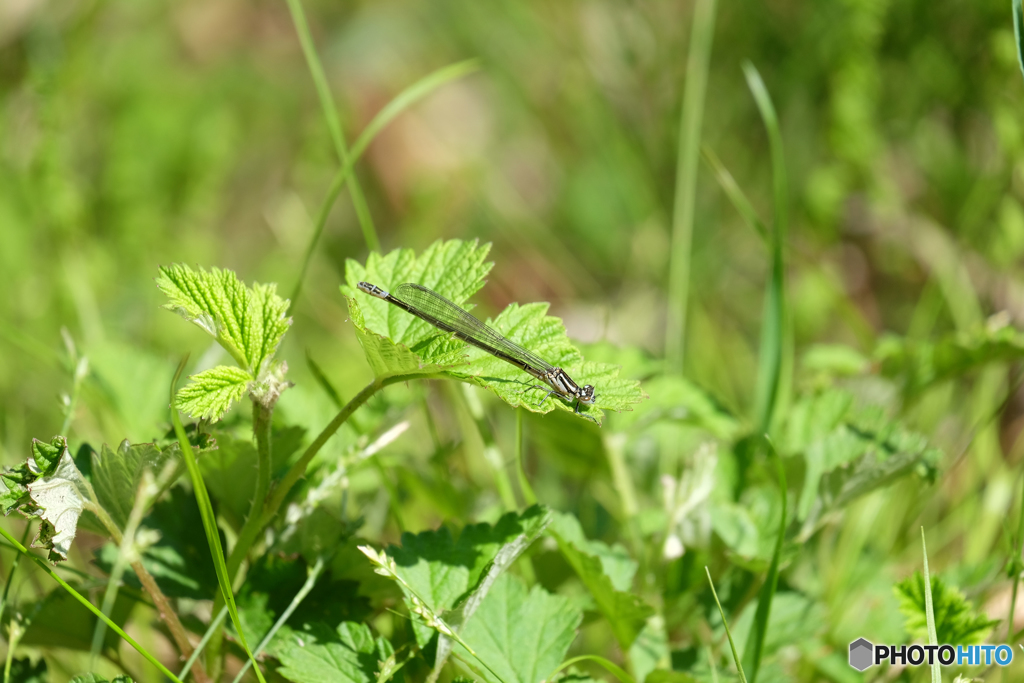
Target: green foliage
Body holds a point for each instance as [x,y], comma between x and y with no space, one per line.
[115,475]
[96,678]
[248,323]
[410,346]
[956,621]
[24,671]
[320,654]
[920,365]
[850,451]
[608,574]
[521,634]
[60,618]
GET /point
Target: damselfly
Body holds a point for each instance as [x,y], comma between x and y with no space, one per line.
[428,305]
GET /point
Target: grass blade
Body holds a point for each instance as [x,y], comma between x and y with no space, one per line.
[214,626]
[209,521]
[392,109]
[701,37]
[610,667]
[929,611]
[734,193]
[728,633]
[1018,32]
[89,606]
[759,629]
[773,332]
[323,92]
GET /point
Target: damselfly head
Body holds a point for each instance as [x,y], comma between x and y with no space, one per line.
[372,290]
[587,396]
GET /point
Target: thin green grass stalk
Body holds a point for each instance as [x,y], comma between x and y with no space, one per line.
[773,330]
[608,666]
[732,190]
[392,109]
[14,568]
[213,627]
[323,92]
[1015,565]
[125,551]
[1018,32]
[89,606]
[687,161]
[209,521]
[492,454]
[314,574]
[759,628]
[524,484]
[728,633]
[929,611]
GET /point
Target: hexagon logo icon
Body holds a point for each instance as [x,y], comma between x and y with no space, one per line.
[861,652]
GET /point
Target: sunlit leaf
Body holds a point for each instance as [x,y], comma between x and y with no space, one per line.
[319,654]
[210,393]
[59,497]
[956,620]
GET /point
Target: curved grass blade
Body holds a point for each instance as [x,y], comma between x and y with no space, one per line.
[89,606]
[323,92]
[684,204]
[400,103]
[610,667]
[728,633]
[759,629]
[1018,32]
[773,333]
[734,193]
[209,521]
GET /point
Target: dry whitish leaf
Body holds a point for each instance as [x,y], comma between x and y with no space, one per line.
[60,497]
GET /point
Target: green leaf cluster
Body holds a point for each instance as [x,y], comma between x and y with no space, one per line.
[956,621]
[248,323]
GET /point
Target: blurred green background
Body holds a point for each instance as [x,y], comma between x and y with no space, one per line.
[134,134]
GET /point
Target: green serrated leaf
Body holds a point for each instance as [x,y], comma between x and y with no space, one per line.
[60,498]
[919,365]
[96,678]
[522,635]
[849,451]
[442,568]
[248,323]
[213,391]
[396,342]
[319,654]
[47,455]
[602,573]
[956,621]
[15,487]
[115,475]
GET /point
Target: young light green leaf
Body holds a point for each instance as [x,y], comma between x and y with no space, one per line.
[248,323]
[521,635]
[397,342]
[607,575]
[319,654]
[211,392]
[956,620]
[60,497]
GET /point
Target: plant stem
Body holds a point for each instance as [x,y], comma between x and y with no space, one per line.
[524,484]
[280,490]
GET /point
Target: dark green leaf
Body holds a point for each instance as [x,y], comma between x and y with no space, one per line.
[115,475]
[60,618]
[24,671]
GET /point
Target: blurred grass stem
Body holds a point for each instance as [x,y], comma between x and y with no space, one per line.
[323,92]
[684,204]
